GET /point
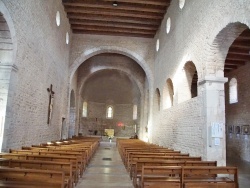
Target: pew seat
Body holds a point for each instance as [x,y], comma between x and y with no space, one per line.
[47,178]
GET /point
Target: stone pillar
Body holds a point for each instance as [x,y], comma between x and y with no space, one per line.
[5,74]
[213,94]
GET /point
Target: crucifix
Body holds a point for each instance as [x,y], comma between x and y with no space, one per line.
[50,107]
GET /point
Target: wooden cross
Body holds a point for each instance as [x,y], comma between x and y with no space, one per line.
[50,107]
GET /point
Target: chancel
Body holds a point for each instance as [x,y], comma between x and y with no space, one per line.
[125,93]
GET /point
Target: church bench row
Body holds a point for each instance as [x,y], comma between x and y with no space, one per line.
[53,157]
[136,169]
[132,155]
[175,177]
[82,151]
[47,178]
[66,167]
[82,161]
[139,157]
[189,176]
[88,146]
[160,151]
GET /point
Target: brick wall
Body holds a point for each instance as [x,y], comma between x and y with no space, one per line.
[238,114]
[192,37]
[41,60]
[97,120]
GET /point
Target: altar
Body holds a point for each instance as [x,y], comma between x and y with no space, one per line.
[109,132]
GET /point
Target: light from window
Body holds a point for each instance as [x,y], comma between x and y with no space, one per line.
[110,112]
[84,109]
[168,25]
[134,112]
[58,18]
[67,38]
[233,93]
[181,3]
[157,45]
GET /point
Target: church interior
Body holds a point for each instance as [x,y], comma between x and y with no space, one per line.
[111,75]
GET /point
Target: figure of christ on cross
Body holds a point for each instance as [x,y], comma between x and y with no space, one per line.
[50,107]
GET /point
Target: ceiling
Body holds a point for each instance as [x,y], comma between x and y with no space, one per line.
[132,18]
[239,52]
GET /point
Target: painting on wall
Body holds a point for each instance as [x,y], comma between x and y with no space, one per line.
[237,129]
[230,129]
[246,129]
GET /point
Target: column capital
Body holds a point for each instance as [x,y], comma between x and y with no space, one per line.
[213,79]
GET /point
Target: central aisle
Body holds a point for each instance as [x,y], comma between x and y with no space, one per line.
[105,169]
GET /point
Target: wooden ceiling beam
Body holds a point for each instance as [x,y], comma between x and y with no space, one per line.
[144,2]
[232,62]
[230,67]
[113,24]
[245,33]
[243,38]
[116,30]
[238,57]
[240,44]
[124,6]
[113,34]
[115,19]
[103,12]
[239,51]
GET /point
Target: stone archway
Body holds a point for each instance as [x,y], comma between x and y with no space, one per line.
[72,115]
[85,55]
[7,67]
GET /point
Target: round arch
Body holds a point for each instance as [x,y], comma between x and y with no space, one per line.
[4,11]
[111,49]
[111,68]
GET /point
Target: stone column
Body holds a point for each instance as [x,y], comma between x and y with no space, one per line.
[213,94]
[5,75]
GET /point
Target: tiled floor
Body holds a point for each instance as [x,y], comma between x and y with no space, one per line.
[104,173]
[112,174]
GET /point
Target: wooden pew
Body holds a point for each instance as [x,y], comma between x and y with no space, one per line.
[132,154]
[161,176]
[81,159]
[74,160]
[47,178]
[154,157]
[66,167]
[189,177]
[210,177]
[136,170]
[83,151]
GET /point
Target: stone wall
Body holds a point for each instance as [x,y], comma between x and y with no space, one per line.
[238,114]
[41,59]
[193,31]
[96,120]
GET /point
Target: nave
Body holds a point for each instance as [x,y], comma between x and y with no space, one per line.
[124,163]
[106,169]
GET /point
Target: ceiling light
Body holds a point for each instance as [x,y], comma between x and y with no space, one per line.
[115,4]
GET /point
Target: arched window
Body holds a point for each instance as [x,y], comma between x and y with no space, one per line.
[157,100]
[85,109]
[109,112]
[134,112]
[168,94]
[233,93]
